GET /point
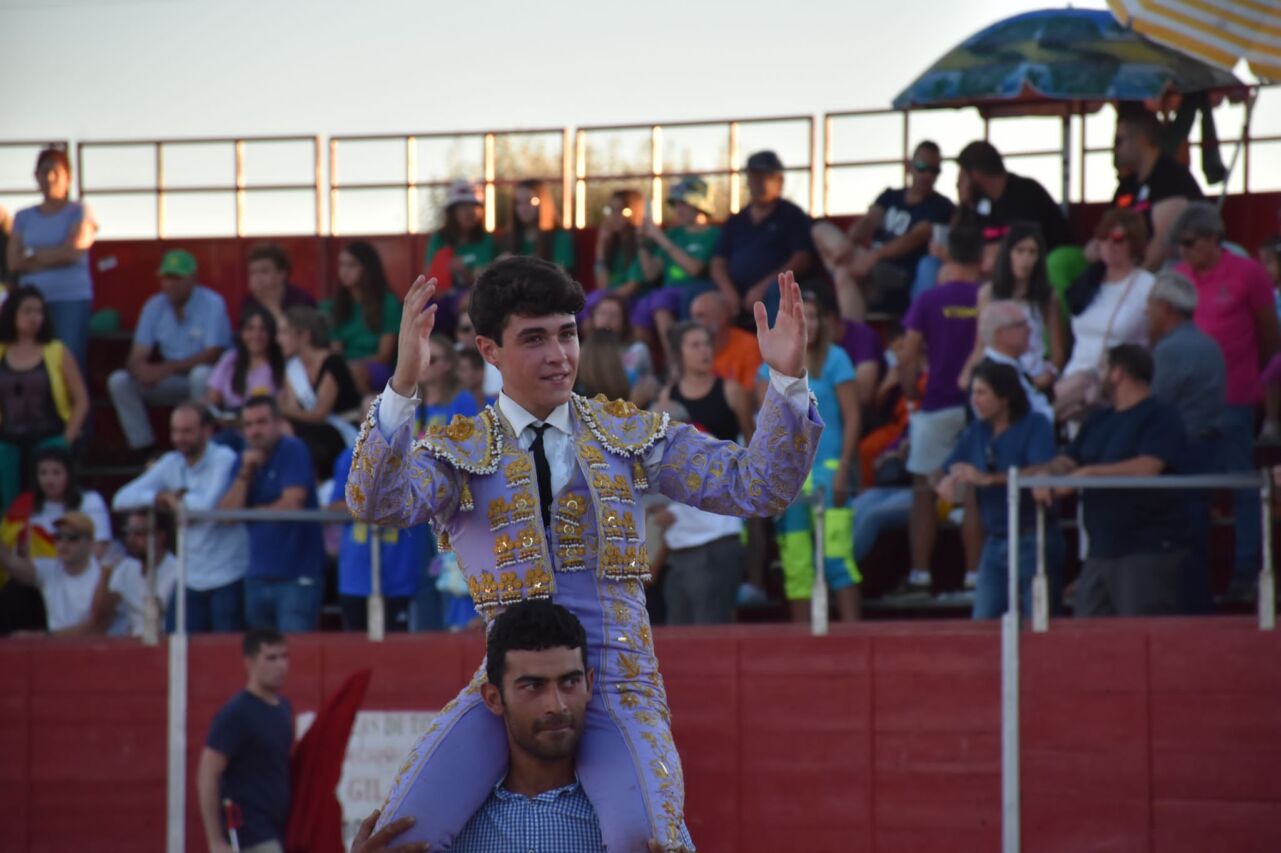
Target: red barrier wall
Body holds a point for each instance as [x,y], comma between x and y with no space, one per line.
[1138,735]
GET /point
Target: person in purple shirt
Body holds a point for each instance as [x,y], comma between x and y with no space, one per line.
[269,285]
[862,344]
[940,325]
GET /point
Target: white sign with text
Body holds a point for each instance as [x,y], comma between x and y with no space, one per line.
[379,744]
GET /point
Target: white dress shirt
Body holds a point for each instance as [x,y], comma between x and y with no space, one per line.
[394,410]
[129,581]
[217,554]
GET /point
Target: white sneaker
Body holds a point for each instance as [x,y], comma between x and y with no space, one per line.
[971,580]
[918,578]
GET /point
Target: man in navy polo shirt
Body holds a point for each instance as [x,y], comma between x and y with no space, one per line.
[246,754]
[285,581]
[767,238]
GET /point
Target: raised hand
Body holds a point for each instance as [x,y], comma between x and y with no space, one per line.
[783,346]
[413,355]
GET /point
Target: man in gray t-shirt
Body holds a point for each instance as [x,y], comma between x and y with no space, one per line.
[1191,375]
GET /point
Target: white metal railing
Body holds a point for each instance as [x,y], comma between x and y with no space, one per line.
[178,664]
[1015,483]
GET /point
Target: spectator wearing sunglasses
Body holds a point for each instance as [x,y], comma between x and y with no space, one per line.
[1006,434]
[874,264]
[1235,307]
[1152,183]
[67,582]
[1105,315]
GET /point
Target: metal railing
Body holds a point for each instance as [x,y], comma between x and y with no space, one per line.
[657,165]
[178,661]
[485,167]
[162,186]
[1010,622]
[590,163]
[1073,150]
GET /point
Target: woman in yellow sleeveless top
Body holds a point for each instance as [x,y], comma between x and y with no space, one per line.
[43,400]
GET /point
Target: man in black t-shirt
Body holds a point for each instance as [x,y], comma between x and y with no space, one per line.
[1151,182]
[246,755]
[874,263]
[997,198]
[1138,539]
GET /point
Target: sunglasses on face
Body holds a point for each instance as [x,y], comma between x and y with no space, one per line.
[925,168]
[465,329]
[136,531]
[68,537]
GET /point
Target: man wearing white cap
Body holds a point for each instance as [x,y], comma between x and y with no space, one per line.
[463,234]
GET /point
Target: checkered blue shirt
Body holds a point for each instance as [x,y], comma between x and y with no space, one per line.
[558,821]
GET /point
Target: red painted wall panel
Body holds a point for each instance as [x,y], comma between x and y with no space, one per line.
[1156,735]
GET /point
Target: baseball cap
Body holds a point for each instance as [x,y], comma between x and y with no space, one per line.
[693,191]
[77,521]
[177,262]
[464,191]
[764,161]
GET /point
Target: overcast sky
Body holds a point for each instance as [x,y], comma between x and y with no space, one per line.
[138,69]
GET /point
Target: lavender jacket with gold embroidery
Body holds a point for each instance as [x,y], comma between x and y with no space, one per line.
[472,481]
[476,486]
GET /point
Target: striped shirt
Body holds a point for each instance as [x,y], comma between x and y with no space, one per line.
[561,820]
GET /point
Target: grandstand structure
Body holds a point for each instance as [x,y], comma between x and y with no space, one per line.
[1158,735]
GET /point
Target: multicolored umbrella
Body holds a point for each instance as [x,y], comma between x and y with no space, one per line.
[1220,32]
[1061,60]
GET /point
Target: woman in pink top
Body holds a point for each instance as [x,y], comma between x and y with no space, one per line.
[1236,308]
[255,365]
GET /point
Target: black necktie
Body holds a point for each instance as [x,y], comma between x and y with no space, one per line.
[544,472]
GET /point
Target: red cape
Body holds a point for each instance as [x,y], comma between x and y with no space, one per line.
[315,816]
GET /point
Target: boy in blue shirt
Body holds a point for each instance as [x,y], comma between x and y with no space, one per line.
[402,556]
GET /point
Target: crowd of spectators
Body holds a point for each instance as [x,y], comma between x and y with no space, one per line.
[950,339]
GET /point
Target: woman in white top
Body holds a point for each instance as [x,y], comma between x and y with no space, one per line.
[1114,314]
[57,491]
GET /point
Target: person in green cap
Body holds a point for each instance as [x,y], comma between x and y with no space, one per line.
[181,332]
[678,257]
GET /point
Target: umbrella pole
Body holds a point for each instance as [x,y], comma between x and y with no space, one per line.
[1242,141]
[1067,162]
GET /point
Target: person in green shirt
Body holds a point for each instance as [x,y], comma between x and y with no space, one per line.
[617,266]
[678,257]
[535,228]
[365,316]
[464,234]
